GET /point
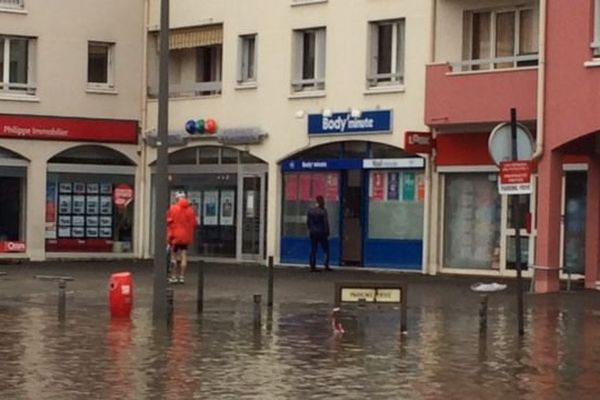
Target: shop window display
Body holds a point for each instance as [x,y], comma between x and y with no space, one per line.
[472,221]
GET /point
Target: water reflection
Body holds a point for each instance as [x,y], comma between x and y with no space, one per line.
[295,354]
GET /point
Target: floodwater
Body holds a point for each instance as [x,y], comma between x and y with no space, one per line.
[294,354]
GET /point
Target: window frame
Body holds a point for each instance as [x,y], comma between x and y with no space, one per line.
[595,45]
[11,88]
[517,58]
[317,82]
[244,63]
[12,5]
[110,66]
[398,54]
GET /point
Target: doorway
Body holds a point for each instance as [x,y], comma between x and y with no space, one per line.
[351,219]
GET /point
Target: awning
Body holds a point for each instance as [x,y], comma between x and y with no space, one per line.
[186,38]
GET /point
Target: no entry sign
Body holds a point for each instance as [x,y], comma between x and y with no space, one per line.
[515,177]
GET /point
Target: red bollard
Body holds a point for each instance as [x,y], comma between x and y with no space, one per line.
[120,294]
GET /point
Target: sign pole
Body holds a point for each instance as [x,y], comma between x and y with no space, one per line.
[516,212]
[161,179]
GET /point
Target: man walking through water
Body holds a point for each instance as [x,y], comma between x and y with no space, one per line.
[317,222]
[181,226]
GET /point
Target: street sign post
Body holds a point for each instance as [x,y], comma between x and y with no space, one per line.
[511,147]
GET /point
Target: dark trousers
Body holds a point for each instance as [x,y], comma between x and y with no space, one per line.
[323,241]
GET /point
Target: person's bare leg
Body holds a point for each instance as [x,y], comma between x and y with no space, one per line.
[183,265]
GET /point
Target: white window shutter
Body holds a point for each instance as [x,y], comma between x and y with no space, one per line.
[241,61]
[297,38]
[401,49]
[321,54]
[373,53]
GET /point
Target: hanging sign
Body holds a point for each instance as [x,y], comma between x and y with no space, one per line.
[418,142]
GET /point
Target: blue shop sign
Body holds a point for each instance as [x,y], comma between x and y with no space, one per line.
[379,121]
[321,165]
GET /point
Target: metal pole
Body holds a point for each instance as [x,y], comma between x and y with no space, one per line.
[270,284]
[161,179]
[62,299]
[170,301]
[517,223]
[200,296]
[483,309]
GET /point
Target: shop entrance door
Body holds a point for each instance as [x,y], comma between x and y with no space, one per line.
[251,212]
[351,219]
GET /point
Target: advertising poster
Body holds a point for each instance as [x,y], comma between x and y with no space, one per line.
[91,232]
[51,197]
[378,186]
[227,207]
[332,187]
[106,188]
[91,220]
[393,186]
[92,205]
[78,232]
[64,204]
[195,199]
[291,187]
[64,220]
[78,204]
[65,187]
[210,207]
[420,188]
[64,232]
[93,188]
[78,187]
[408,186]
[105,221]
[105,232]
[304,187]
[106,205]
[250,207]
[318,185]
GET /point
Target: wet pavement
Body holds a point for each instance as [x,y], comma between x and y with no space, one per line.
[294,354]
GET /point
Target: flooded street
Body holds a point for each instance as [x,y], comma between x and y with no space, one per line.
[295,354]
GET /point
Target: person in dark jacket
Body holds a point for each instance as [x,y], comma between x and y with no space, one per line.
[317,222]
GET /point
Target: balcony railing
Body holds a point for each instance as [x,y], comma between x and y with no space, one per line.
[12,4]
[394,78]
[308,84]
[529,60]
[191,89]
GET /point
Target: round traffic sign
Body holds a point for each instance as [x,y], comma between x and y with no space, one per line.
[500,143]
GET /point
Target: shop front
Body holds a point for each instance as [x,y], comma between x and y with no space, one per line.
[13,183]
[374,194]
[227,189]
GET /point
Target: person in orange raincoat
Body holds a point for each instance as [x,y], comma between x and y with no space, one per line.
[181,227]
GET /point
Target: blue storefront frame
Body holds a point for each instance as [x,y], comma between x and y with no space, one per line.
[376,253]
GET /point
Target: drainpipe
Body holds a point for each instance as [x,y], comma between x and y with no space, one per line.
[142,168]
[541,88]
[433,31]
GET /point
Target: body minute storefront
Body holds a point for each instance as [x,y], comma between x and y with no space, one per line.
[67,186]
[374,194]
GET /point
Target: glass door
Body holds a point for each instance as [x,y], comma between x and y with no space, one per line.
[527,233]
[252,217]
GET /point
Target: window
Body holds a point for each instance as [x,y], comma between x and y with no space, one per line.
[16,65]
[100,65]
[309,60]
[12,4]
[506,38]
[386,65]
[208,70]
[247,59]
[596,42]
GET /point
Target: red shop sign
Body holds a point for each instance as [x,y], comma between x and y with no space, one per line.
[79,129]
[418,142]
[122,195]
[14,246]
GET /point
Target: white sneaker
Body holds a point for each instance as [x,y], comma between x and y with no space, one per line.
[173,279]
[181,280]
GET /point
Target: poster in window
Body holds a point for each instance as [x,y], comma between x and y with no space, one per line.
[78,188]
[64,204]
[64,232]
[210,207]
[291,187]
[105,221]
[91,231]
[105,232]
[78,232]
[378,186]
[393,186]
[195,199]
[227,207]
[250,204]
[78,220]
[106,205]
[318,185]
[64,220]
[93,188]
[65,187]
[332,189]
[106,188]
[420,187]
[78,204]
[51,209]
[92,205]
[304,187]
[91,220]
[408,186]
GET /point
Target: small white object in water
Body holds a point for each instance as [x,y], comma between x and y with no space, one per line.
[488,287]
